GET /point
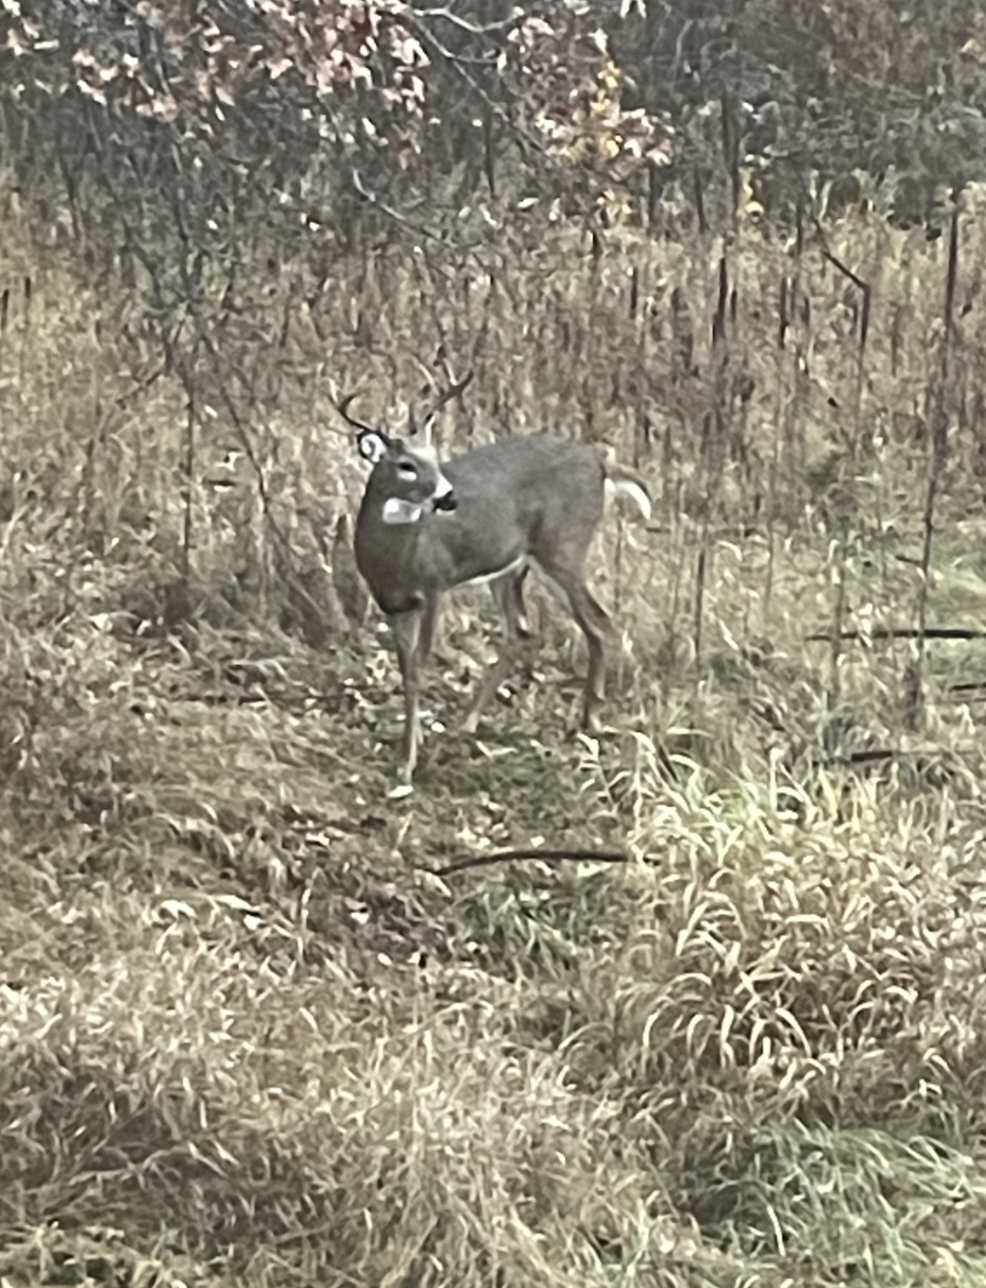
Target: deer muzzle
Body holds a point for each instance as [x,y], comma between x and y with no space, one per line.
[443,497]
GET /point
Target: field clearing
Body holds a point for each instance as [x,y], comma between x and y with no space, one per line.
[250,1034]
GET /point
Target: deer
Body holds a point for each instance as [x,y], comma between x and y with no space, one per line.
[521,504]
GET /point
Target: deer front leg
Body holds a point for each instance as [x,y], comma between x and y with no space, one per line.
[406,628]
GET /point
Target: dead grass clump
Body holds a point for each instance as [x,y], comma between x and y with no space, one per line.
[821,963]
[831,1204]
[400,1122]
[533,922]
[794,1029]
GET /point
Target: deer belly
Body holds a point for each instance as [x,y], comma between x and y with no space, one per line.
[484,578]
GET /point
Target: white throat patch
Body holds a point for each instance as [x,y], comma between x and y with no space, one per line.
[397,511]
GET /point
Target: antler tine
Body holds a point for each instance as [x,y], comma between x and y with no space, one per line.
[451,392]
[444,397]
[343,409]
[412,423]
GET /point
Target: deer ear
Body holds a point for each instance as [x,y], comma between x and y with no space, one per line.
[372,445]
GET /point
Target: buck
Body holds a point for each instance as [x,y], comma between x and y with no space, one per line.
[490,516]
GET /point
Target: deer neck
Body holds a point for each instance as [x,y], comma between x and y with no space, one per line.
[389,539]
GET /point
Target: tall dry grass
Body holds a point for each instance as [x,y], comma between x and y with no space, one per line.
[247,1034]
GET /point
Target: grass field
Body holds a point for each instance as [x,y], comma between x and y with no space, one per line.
[251,1034]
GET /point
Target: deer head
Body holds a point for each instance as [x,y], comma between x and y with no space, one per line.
[408,477]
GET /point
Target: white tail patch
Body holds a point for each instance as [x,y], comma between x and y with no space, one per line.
[631,489]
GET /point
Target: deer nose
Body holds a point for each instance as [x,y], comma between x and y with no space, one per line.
[443,497]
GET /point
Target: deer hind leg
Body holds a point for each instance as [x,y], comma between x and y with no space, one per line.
[596,627]
[594,622]
[517,607]
[509,599]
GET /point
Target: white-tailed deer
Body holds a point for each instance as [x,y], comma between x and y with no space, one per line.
[490,515]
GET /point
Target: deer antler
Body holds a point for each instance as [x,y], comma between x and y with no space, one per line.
[451,392]
[444,397]
[343,409]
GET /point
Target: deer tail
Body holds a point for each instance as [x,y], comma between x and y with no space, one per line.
[619,479]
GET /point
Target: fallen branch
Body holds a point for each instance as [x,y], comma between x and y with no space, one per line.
[464,861]
[902,633]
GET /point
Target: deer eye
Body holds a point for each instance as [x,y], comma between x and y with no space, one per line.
[407,470]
